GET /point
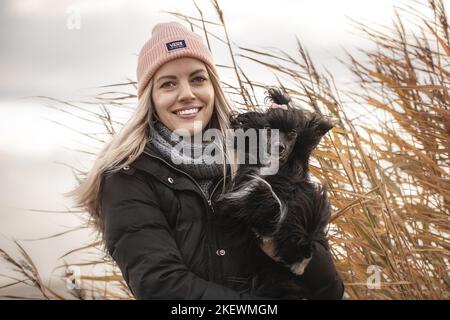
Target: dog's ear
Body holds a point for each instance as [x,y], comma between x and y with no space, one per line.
[240,120]
[234,121]
[323,126]
[247,120]
[316,127]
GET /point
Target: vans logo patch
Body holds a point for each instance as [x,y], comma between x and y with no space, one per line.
[175,45]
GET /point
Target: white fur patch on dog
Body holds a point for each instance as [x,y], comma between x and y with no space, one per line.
[299,267]
[242,192]
[283,208]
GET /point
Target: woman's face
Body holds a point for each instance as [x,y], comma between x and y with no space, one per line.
[183,94]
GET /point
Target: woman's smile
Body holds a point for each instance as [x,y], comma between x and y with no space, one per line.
[188,113]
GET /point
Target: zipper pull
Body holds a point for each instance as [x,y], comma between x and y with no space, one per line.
[210,205]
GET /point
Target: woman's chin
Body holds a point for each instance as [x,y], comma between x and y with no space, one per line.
[190,129]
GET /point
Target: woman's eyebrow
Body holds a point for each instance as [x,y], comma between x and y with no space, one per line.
[174,77]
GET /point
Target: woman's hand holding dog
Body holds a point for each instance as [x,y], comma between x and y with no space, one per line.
[268,247]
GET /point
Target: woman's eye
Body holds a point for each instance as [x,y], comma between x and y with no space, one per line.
[166,84]
[170,84]
[199,79]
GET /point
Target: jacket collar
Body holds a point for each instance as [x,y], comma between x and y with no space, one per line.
[152,162]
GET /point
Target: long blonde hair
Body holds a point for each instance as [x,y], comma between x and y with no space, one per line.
[130,142]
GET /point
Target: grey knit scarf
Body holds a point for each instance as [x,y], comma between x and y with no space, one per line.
[195,162]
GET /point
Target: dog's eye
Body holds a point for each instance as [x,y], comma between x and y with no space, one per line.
[281,147]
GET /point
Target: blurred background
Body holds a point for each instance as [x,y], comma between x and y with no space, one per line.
[58,60]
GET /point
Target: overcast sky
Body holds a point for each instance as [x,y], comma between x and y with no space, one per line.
[44,52]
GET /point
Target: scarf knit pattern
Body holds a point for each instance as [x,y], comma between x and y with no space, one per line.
[197,164]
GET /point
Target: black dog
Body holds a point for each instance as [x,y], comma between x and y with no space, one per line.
[286,207]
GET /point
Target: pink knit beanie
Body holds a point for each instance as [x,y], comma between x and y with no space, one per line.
[169,41]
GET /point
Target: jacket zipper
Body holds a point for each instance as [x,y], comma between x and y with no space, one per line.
[212,194]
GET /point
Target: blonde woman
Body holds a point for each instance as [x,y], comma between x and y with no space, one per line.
[152,203]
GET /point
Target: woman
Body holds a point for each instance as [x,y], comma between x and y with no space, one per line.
[152,205]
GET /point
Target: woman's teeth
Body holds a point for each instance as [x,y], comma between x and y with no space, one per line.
[187,111]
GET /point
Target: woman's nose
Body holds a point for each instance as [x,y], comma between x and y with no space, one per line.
[186,92]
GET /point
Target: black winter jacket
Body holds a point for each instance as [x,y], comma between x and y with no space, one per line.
[161,231]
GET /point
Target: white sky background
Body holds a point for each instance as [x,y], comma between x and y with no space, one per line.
[39,55]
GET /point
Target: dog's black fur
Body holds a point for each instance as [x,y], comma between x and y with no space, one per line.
[305,203]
